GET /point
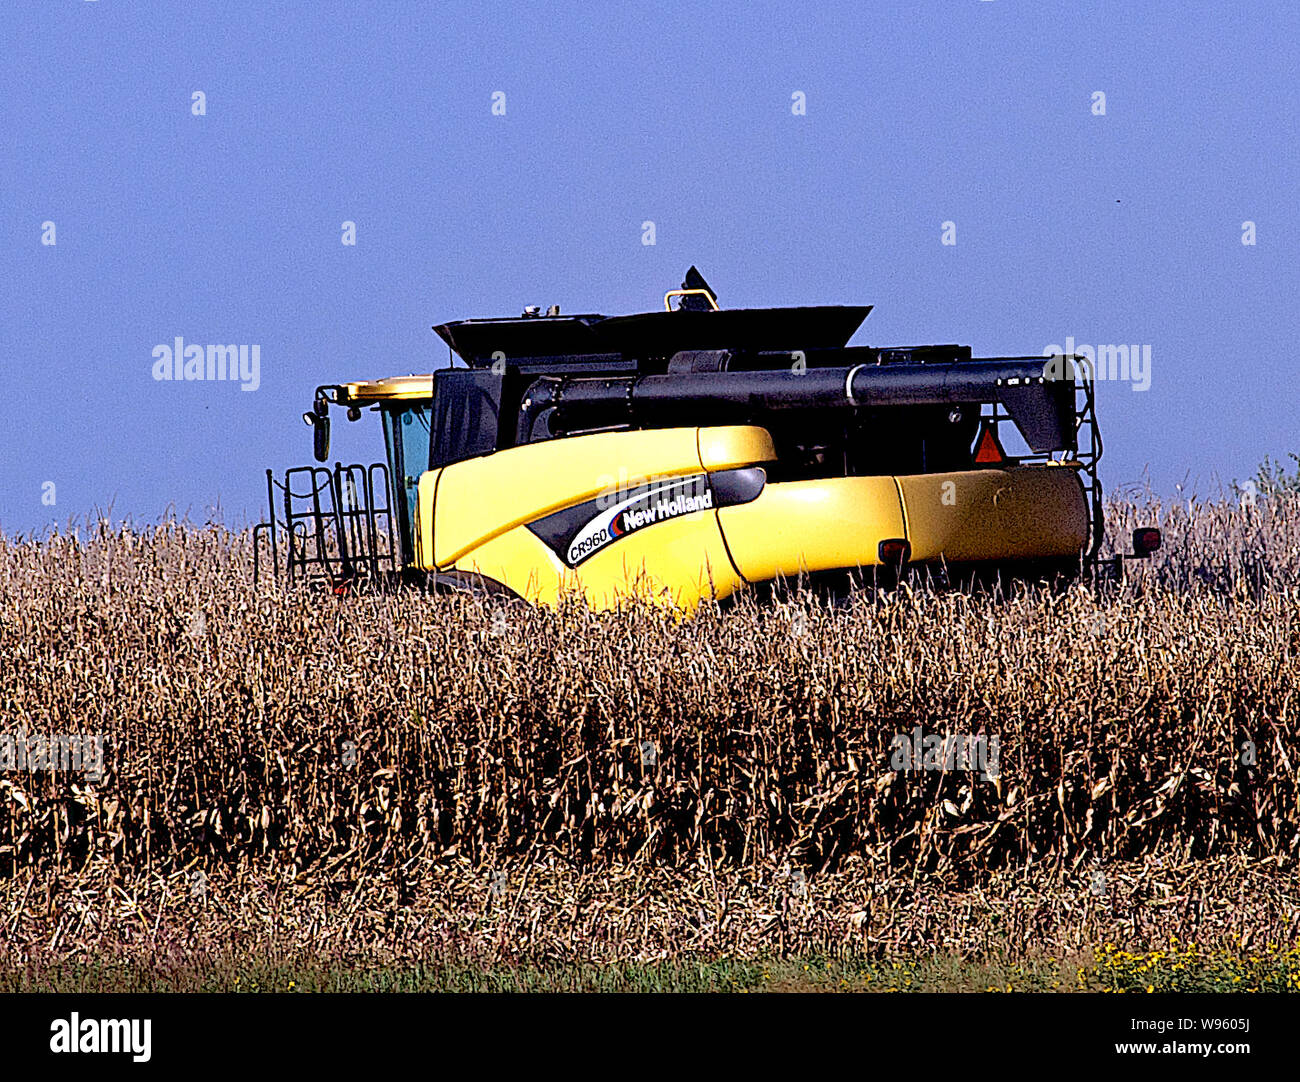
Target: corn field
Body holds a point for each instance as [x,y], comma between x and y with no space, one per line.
[401,773]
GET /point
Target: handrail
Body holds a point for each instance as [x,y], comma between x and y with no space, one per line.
[330,524]
[688,293]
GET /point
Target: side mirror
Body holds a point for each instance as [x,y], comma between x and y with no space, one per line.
[321,439]
[319,419]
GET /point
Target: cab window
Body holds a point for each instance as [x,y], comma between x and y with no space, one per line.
[406,434]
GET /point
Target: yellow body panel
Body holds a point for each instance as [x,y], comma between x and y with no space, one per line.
[426,493]
[474,515]
[725,447]
[805,526]
[1021,512]
[482,498]
[520,560]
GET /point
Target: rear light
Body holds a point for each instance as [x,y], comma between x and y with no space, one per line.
[894,552]
[1145,541]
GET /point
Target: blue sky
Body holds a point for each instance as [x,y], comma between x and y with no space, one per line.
[226,227]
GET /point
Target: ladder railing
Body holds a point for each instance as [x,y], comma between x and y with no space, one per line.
[1087,452]
[335,526]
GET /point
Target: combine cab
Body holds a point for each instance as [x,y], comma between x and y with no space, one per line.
[692,452]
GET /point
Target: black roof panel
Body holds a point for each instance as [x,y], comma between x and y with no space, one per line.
[654,334]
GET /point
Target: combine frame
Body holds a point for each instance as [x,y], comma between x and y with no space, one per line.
[756,445]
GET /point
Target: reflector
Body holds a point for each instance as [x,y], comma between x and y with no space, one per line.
[988,452]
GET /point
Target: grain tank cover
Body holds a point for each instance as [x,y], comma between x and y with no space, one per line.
[654,334]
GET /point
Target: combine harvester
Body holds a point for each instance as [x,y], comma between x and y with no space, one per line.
[693,452]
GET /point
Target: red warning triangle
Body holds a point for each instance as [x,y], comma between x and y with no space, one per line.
[989,452]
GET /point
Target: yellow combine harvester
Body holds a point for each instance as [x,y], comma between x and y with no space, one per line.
[690,453]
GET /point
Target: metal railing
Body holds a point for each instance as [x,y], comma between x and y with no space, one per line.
[1087,452]
[336,526]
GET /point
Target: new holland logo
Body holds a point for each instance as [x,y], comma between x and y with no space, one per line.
[659,504]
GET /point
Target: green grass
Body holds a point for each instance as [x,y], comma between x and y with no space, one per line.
[1108,970]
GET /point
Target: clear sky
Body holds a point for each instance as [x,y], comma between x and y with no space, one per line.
[227,227]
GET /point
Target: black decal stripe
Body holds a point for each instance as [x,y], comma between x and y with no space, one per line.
[729,487]
[559,529]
